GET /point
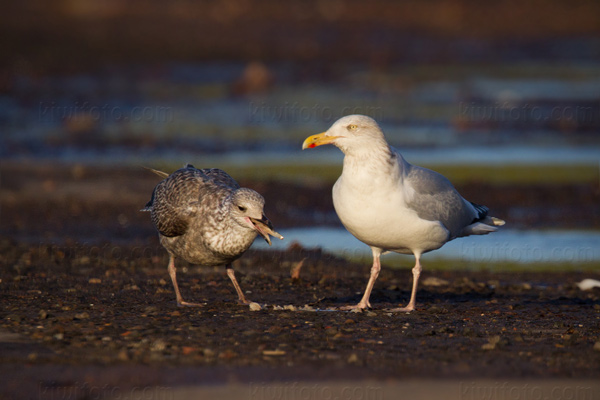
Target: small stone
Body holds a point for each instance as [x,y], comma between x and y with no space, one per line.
[123,355]
[158,345]
[353,359]
[488,346]
[95,281]
[370,314]
[597,346]
[43,314]
[356,310]
[525,286]
[254,306]
[273,352]
[289,307]
[307,308]
[82,315]
[59,336]
[495,342]
[433,281]
[208,352]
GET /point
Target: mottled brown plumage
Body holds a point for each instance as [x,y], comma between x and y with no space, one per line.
[206,218]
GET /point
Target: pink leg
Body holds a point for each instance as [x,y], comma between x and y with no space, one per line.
[173,275]
[231,275]
[416,271]
[364,302]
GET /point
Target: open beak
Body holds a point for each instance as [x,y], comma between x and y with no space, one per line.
[265,228]
[318,140]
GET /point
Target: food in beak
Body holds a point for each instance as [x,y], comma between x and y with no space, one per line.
[265,228]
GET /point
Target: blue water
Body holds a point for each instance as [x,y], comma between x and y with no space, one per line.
[189,113]
[503,246]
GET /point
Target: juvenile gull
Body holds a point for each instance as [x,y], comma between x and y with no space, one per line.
[392,205]
[206,218]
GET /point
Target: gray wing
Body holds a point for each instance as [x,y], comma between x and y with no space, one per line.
[178,198]
[436,199]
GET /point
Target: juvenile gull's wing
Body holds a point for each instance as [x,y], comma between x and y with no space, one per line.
[218,176]
[177,198]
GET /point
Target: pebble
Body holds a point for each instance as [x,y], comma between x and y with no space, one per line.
[273,352]
[352,359]
[494,342]
[433,281]
[59,336]
[82,315]
[123,355]
[158,345]
[597,346]
[208,352]
[254,306]
[95,281]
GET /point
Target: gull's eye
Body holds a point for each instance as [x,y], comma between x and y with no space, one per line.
[242,208]
[352,127]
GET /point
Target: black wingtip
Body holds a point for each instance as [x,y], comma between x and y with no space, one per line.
[482,211]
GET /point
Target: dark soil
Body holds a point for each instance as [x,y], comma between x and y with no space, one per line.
[85,296]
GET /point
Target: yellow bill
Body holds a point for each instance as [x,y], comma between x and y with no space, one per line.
[318,140]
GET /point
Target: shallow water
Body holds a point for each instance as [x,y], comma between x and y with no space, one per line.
[190,112]
[505,245]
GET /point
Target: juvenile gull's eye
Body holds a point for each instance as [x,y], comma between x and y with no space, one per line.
[241,208]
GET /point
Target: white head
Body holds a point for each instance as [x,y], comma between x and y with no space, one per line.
[352,133]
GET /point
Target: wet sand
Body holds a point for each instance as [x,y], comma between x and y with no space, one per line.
[87,303]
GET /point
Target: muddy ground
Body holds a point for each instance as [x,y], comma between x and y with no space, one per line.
[86,298]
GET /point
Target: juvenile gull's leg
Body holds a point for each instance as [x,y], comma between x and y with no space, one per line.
[173,275]
[231,275]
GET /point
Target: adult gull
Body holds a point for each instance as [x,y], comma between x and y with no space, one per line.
[392,205]
[204,217]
